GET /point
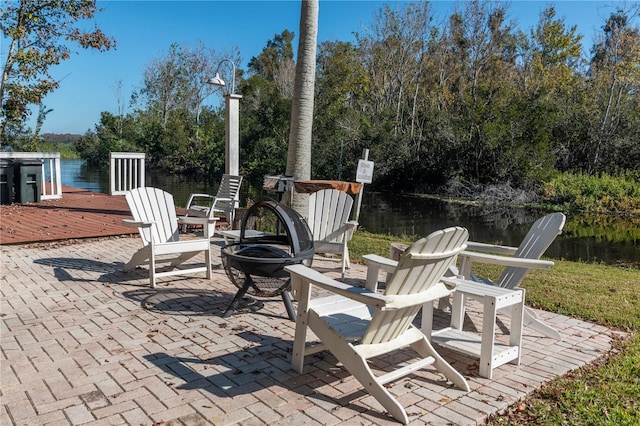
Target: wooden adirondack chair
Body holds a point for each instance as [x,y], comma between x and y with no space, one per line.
[154,214]
[518,261]
[356,324]
[329,212]
[225,201]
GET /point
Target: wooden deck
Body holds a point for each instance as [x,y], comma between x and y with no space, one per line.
[78,214]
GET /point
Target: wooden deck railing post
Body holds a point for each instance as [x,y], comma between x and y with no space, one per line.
[126,172]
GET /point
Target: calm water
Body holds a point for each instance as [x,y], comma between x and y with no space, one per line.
[593,239]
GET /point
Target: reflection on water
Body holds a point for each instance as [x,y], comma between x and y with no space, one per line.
[594,239]
[611,240]
[76,173]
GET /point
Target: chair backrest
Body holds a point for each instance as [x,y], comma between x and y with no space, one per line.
[149,204]
[420,267]
[229,188]
[329,210]
[533,246]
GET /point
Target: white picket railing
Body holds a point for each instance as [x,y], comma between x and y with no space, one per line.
[51,187]
[126,172]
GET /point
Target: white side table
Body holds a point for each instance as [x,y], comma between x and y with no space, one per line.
[492,354]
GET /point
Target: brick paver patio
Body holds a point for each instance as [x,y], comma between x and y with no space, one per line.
[84,343]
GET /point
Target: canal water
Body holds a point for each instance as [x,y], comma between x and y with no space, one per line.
[603,239]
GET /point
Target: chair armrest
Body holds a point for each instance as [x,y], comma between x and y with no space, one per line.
[386,303]
[374,264]
[491,248]
[473,288]
[192,196]
[202,196]
[506,260]
[311,276]
[387,265]
[351,227]
[137,224]
[193,220]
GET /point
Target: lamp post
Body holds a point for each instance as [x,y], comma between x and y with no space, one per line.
[232,121]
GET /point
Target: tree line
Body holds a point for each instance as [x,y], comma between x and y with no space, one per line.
[472,99]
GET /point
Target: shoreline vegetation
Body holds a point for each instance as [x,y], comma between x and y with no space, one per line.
[606,392]
[604,194]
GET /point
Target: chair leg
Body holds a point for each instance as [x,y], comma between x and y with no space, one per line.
[345,258]
[207,260]
[140,257]
[425,349]
[358,367]
[302,294]
[152,267]
[532,322]
[299,342]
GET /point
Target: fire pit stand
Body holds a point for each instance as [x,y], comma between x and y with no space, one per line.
[256,264]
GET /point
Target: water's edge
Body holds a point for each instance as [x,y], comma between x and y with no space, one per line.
[592,239]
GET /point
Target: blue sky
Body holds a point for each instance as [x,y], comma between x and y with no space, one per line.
[144,30]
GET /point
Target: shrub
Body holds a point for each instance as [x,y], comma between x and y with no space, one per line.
[597,194]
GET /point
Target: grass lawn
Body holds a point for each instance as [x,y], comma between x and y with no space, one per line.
[606,392]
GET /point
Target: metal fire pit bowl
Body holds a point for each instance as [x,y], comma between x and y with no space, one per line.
[272,236]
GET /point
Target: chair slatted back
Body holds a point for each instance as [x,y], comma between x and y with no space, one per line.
[419,268]
[229,188]
[154,205]
[533,246]
[329,210]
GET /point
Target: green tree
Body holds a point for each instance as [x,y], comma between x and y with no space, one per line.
[615,82]
[547,81]
[40,35]
[341,86]
[266,109]
[176,135]
[484,46]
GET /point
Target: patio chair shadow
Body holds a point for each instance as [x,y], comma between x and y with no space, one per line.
[263,365]
[110,272]
[79,263]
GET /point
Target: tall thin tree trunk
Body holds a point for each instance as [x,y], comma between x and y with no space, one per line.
[603,124]
[299,149]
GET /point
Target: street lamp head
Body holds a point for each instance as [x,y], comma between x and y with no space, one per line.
[216,81]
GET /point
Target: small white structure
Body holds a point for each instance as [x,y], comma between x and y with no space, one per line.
[126,172]
[51,181]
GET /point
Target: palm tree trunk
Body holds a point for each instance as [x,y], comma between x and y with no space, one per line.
[299,149]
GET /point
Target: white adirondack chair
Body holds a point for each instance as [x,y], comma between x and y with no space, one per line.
[329,211]
[356,324]
[225,201]
[518,260]
[154,214]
